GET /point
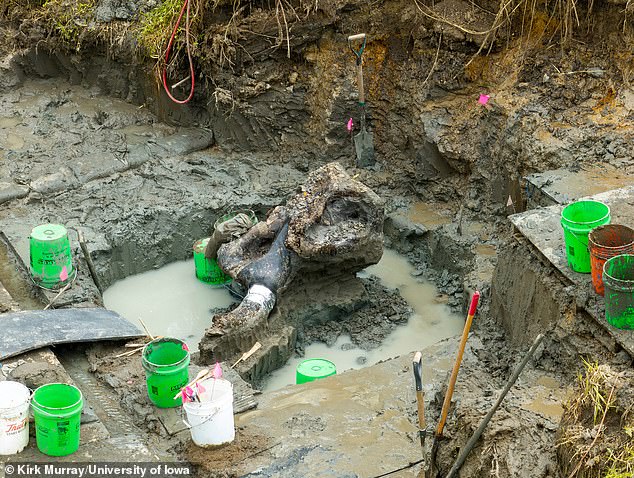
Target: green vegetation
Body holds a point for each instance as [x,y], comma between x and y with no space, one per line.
[69,18]
[156,25]
[597,433]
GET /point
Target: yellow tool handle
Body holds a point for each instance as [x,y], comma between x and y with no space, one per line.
[456,365]
[420,398]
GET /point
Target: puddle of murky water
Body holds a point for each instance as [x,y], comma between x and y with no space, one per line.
[170,300]
[430,323]
[9,122]
[485,249]
[546,407]
[14,141]
[427,215]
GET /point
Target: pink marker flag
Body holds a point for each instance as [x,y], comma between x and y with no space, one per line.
[64,274]
[200,388]
[217,373]
[484,99]
[350,125]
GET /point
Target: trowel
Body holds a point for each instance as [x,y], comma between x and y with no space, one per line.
[364,141]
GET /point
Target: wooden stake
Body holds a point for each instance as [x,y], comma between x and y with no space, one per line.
[246,355]
[201,375]
[146,329]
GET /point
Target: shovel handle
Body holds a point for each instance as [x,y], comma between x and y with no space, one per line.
[358,53]
[360,82]
[420,400]
[456,366]
[358,36]
[417,367]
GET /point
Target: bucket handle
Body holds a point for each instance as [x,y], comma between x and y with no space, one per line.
[190,426]
[28,400]
[51,415]
[576,236]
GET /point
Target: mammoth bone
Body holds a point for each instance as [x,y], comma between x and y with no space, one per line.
[332,227]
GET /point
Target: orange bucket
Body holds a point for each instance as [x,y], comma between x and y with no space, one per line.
[604,243]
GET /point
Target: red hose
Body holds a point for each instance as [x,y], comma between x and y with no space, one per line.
[189,56]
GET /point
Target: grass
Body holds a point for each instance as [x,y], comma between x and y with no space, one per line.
[621,462]
[67,21]
[156,25]
[532,24]
[69,18]
[594,388]
[597,433]
[220,40]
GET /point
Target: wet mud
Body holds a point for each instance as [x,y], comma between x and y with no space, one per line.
[86,140]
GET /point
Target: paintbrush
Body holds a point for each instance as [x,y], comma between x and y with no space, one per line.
[201,375]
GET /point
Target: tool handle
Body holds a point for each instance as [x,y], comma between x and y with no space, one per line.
[456,366]
[420,400]
[359,36]
[474,303]
[417,367]
[464,452]
[360,82]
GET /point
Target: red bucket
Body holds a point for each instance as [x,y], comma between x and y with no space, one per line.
[604,243]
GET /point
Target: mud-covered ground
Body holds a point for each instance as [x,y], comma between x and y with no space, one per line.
[100,148]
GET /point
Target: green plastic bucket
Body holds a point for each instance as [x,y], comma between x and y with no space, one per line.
[57,412]
[166,363]
[314,369]
[578,219]
[618,281]
[208,270]
[51,260]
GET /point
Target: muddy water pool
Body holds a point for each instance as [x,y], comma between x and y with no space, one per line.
[430,322]
[172,302]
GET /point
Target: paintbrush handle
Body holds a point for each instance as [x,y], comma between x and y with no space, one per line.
[192,383]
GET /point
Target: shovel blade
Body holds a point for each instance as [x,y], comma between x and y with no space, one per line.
[364,146]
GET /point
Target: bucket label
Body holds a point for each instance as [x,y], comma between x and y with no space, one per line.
[62,433]
[15,428]
[177,388]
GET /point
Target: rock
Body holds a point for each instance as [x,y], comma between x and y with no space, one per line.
[11,74]
[35,374]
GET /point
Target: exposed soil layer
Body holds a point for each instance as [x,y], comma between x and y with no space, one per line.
[89,149]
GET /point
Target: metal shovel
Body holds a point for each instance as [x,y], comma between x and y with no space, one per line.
[363,142]
[417,367]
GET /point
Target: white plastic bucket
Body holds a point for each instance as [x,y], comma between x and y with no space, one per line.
[211,419]
[15,399]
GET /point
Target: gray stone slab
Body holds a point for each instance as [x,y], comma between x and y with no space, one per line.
[32,329]
[543,229]
[561,186]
